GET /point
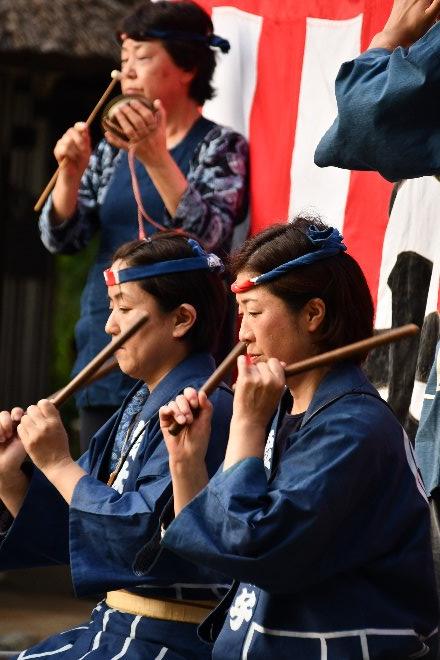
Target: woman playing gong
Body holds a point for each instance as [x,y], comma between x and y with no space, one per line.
[192,173]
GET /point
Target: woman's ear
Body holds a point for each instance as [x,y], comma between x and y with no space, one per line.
[184,318]
[314,313]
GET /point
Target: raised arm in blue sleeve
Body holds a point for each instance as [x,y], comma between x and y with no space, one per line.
[388,112]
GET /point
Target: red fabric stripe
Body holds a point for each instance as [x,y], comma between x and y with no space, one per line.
[273,119]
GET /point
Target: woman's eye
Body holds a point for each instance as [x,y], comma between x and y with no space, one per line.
[253,313]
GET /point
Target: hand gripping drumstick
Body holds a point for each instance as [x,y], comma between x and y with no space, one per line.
[215,379]
[116,76]
[92,367]
[338,355]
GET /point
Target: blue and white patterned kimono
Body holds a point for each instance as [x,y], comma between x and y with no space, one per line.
[331,549]
[111,535]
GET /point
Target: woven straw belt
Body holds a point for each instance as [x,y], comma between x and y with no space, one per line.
[185,611]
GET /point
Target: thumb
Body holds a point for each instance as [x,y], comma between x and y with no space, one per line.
[161,115]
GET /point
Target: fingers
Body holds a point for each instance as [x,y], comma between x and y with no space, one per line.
[40,416]
[433,10]
[47,409]
[75,144]
[17,414]
[136,120]
[182,409]
[6,426]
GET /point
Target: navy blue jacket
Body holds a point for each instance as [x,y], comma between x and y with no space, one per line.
[388,112]
[331,552]
[110,535]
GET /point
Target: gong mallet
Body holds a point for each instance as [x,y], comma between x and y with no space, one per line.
[338,355]
[116,76]
[92,367]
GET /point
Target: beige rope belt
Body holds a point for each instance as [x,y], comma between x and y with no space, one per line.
[186,611]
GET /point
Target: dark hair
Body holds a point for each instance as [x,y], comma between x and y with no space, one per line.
[188,55]
[338,280]
[202,289]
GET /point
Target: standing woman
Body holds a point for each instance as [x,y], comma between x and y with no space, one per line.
[318,513]
[56,511]
[192,173]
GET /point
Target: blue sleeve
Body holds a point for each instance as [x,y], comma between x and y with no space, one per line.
[108,529]
[216,199]
[127,522]
[312,520]
[39,535]
[388,109]
[74,234]
[427,442]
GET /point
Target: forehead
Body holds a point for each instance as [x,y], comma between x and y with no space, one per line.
[130,45]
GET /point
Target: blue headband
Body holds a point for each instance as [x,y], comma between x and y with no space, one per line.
[328,242]
[200,261]
[210,40]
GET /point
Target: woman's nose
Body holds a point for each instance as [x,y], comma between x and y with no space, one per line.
[111,327]
[128,69]
[244,333]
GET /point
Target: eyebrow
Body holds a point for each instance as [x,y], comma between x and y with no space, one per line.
[119,295]
[135,47]
[246,300]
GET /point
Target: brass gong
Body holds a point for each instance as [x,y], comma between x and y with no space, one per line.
[108,119]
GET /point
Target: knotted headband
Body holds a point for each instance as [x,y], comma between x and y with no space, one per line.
[180,35]
[325,243]
[200,261]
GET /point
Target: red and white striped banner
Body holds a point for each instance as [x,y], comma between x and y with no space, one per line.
[277,87]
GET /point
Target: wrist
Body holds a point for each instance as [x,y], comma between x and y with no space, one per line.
[157,162]
[54,470]
[385,39]
[12,484]
[189,469]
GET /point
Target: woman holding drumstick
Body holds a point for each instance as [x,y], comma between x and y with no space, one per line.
[103,515]
[318,513]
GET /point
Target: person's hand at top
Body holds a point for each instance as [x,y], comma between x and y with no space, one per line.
[73,150]
[45,439]
[187,450]
[13,482]
[12,452]
[145,130]
[258,390]
[408,21]
[44,436]
[193,410]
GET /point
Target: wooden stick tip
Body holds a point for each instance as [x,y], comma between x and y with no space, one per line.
[115,74]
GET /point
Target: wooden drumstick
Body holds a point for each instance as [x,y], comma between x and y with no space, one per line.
[116,76]
[103,371]
[92,367]
[215,378]
[352,350]
[330,357]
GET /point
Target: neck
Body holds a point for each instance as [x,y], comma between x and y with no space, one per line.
[152,377]
[180,118]
[303,388]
